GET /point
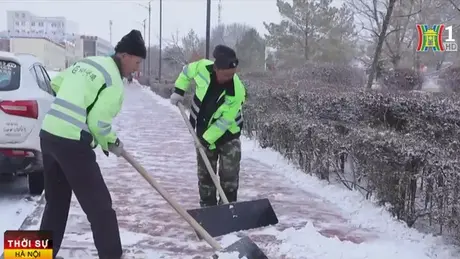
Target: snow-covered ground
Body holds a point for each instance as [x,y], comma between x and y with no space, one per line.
[15,205]
[329,222]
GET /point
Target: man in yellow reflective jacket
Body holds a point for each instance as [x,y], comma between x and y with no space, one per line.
[89,94]
[216,115]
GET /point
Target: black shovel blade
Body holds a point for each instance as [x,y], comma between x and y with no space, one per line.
[236,216]
[246,248]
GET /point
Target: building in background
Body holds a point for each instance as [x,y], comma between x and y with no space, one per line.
[103,47]
[93,46]
[52,54]
[26,24]
[42,32]
[71,53]
[5,44]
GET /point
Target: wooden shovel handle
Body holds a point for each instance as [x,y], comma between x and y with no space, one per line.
[190,220]
[203,155]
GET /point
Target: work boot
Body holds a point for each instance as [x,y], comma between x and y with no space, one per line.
[204,204]
[208,202]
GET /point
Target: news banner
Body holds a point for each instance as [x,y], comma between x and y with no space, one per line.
[27,244]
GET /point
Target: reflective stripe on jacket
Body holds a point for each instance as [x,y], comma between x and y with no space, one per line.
[223,118]
[92,85]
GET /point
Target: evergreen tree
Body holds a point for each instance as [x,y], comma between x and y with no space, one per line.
[312,30]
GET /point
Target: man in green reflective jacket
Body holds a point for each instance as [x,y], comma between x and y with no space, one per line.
[89,95]
[216,115]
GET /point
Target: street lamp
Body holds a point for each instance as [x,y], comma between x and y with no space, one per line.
[143,26]
[208,27]
[161,38]
[149,8]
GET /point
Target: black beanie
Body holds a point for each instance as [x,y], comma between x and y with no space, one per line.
[225,57]
[133,44]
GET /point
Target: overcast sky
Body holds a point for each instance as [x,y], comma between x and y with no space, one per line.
[178,15]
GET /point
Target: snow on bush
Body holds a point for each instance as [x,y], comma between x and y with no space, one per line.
[403,145]
[402,79]
[451,78]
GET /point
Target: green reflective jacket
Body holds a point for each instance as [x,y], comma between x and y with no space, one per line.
[222,117]
[89,94]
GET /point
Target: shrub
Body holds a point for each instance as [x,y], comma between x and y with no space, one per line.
[404,145]
[402,79]
[451,78]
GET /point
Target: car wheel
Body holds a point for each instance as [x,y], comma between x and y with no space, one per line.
[36,183]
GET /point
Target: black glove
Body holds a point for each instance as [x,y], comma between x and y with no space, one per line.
[116,148]
[203,144]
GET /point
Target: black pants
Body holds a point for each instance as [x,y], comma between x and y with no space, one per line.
[71,166]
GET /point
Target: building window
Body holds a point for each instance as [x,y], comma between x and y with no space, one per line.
[33,23]
[40,24]
[17,23]
[23,15]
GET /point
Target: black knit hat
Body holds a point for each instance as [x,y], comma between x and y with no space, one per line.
[133,44]
[225,57]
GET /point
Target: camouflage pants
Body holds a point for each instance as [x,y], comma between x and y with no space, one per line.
[228,156]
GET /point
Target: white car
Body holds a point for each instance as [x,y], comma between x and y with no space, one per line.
[25,98]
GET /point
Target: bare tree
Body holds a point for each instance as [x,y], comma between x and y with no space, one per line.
[401,41]
[381,39]
[456,6]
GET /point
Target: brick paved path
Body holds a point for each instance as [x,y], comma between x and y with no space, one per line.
[158,138]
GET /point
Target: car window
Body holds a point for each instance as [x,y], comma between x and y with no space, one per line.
[40,79]
[10,75]
[32,72]
[47,80]
[45,73]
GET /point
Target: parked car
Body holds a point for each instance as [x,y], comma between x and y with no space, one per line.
[25,98]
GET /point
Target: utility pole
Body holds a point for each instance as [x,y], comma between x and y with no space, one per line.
[149,8]
[110,31]
[208,27]
[161,39]
[150,32]
[144,23]
[219,13]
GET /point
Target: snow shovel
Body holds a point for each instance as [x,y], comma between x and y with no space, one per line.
[229,217]
[245,247]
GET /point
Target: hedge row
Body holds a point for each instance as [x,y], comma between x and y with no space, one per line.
[402,145]
[451,78]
